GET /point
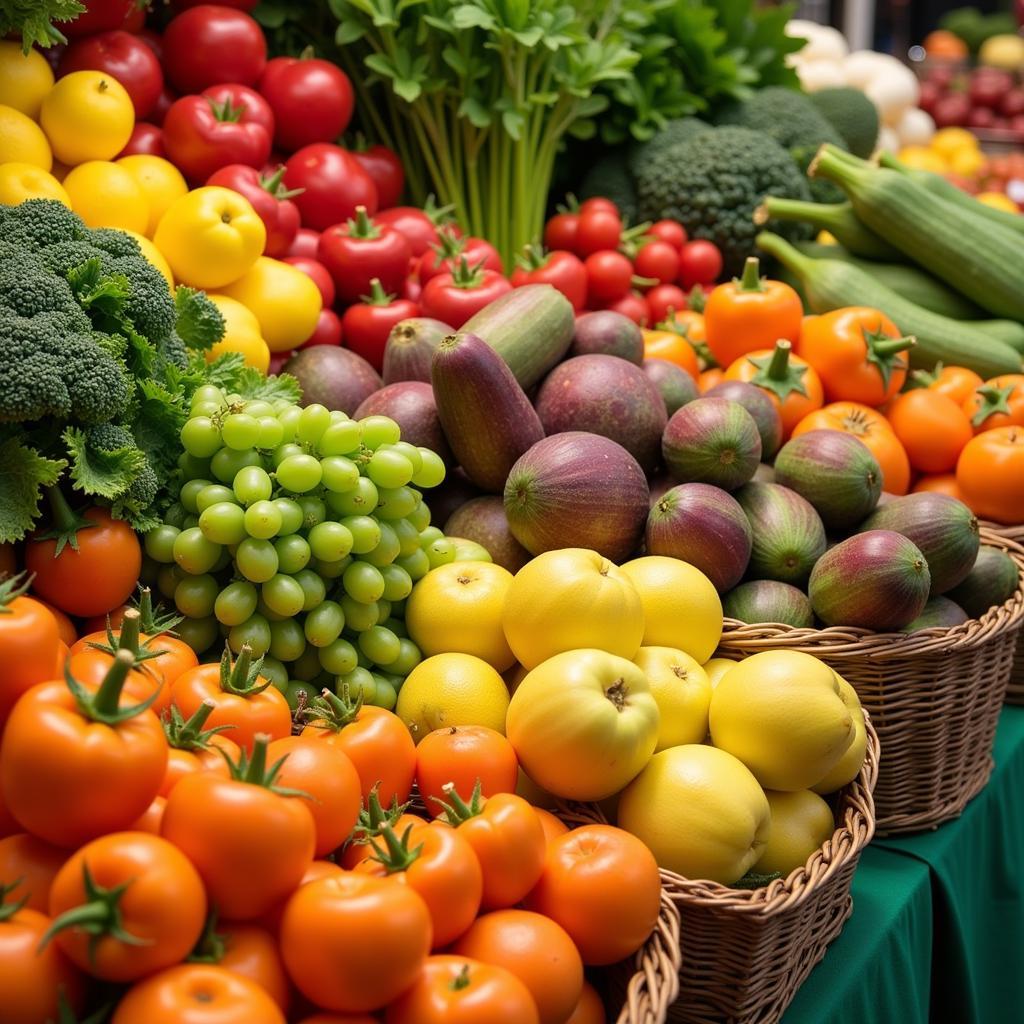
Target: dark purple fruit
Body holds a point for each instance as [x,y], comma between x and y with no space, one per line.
[938,612]
[674,384]
[876,580]
[788,535]
[835,472]
[484,520]
[759,405]
[333,377]
[702,525]
[607,396]
[768,601]
[410,347]
[410,403]
[992,582]
[712,441]
[607,333]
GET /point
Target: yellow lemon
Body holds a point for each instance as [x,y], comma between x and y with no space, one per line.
[569,599]
[924,159]
[107,196]
[682,691]
[801,823]
[716,668]
[947,141]
[782,714]
[241,334]
[458,607]
[700,812]
[452,689]
[848,767]
[968,162]
[153,254]
[19,182]
[25,78]
[681,606]
[22,140]
[998,201]
[87,115]
[161,183]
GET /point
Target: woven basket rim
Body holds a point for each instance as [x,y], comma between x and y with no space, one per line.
[855,641]
[1011,532]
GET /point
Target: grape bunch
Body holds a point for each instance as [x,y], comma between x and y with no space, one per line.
[299,532]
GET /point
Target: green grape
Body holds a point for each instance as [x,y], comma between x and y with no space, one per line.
[383,610]
[200,437]
[283,595]
[193,468]
[199,634]
[274,671]
[396,625]
[208,393]
[271,433]
[419,517]
[286,451]
[331,570]
[396,503]
[252,484]
[307,665]
[385,696]
[286,640]
[339,416]
[359,616]
[361,500]
[210,409]
[267,612]
[262,520]
[324,624]
[363,582]
[167,580]
[291,516]
[190,522]
[411,452]
[313,421]
[365,532]
[395,682]
[312,586]
[379,644]
[226,463]
[223,560]
[288,417]
[159,543]
[190,492]
[358,681]
[378,430]
[417,565]
[432,471]
[299,473]
[339,474]
[211,495]
[240,431]
[195,596]
[330,542]
[409,657]
[292,553]
[340,438]
[408,536]
[256,560]
[440,552]
[194,553]
[387,549]
[429,535]
[258,408]
[397,582]
[223,523]
[314,511]
[175,515]
[255,632]
[296,690]
[338,657]
[388,468]
[235,603]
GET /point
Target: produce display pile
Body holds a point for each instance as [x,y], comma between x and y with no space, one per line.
[400,408]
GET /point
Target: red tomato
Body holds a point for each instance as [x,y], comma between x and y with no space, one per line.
[98,16]
[560,231]
[239,5]
[609,276]
[670,231]
[311,99]
[163,104]
[418,227]
[304,243]
[598,203]
[211,44]
[454,298]
[599,228]
[383,165]
[631,305]
[663,300]
[333,185]
[321,276]
[124,57]
[562,270]
[269,199]
[700,262]
[366,325]
[358,251]
[327,331]
[451,246]
[146,139]
[659,260]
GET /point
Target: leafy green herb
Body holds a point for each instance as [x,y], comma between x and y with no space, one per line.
[34,20]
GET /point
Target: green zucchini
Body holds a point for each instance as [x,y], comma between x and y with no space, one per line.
[832,284]
[911,282]
[1009,331]
[980,259]
[838,219]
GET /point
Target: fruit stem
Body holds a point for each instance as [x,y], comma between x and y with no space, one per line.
[750,281]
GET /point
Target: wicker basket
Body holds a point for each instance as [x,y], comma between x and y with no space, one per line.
[746,952]
[1015,687]
[934,697]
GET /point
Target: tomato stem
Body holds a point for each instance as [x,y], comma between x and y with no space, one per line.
[66,523]
[361,226]
[127,639]
[190,734]
[252,768]
[775,373]
[398,856]
[332,712]
[8,910]
[750,281]
[104,705]
[154,621]
[377,296]
[12,588]
[274,185]
[456,810]
[211,947]
[241,678]
[994,399]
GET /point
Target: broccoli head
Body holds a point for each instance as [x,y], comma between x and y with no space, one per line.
[679,129]
[853,115]
[713,183]
[114,242]
[63,257]
[39,222]
[149,304]
[27,292]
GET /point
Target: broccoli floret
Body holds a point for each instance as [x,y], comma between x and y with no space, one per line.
[31,383]
[139,495]
[37,222]
[62,257]
[149,304]
[173,350]
[108,437]
[29,293]
[114,242]
[680,129]
[200,323]
[853,115]
[713,183]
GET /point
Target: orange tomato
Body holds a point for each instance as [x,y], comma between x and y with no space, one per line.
[955,382]
[271,920]
[372,821]
[873,429]
[673,347]
[990,474]
[353,942]
[590,1009]
[601,884]
[154,901]
[340,1018]
[709,378]
[89,667]
[690,324]
[535,949]
[197,994]
[998,402]
[65,627]
[152,817]
[28,867]
[943,483]
[29,639]
[943,45]
[931,427]
[191,748]
[8,826]
[790,382]
[62,659]
[553,827]
[457,990]
[251,952]
[463,755]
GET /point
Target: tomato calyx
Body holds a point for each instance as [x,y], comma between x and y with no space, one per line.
[226,111]
[241,677]
[127,639]
[211,946]
[775,373]
[449,245]
[377,296]
[883,352]
[466,276]
[456,810]
[252,769]
[373,817]
[398,856]
[66,523]
[925,378]
[12,588]
[8,910]
[104,705]
[331,712]
[274,184]
[361,226]
[189,734]
[461,980]
[153,620]
[696,299]
[750,280]
[994,399]
[439,215]
[533,257]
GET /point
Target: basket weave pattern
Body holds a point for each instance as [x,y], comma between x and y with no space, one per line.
[934,697]
[1015,688]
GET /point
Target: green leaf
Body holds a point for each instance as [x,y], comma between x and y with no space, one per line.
[349,32]
[34,20]
[157,425]
[24,473]
[200,323]
[104,474]
[475,112]
[407,88]
[473,16]
[252,384]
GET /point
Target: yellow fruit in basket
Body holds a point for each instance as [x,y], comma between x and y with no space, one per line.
[998,201]
[458,607]
[20,181]
[967,163]
[923,159]
[87,115]
[801,823]
[22,140]
[682,691]
[848,767]
[25,78]
[107,196]
[716,668]
[947,141]
[160,181]
[681,606]
[569,599]
[782,713]
[583,723]
[153,254]
[700,811]
[469,550]
[241,334]
[452,689]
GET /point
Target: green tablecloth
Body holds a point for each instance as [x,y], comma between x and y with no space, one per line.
[937,932]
